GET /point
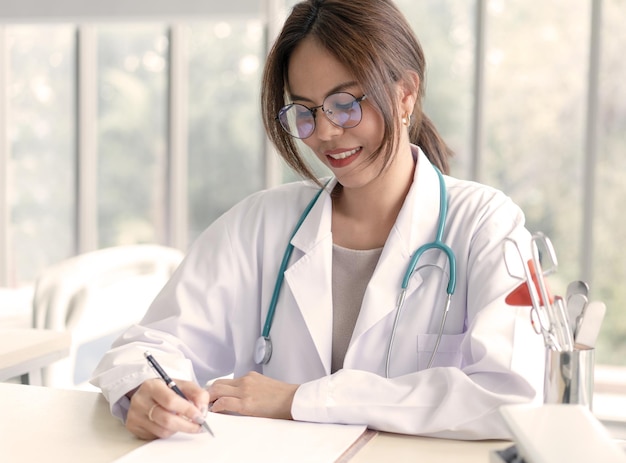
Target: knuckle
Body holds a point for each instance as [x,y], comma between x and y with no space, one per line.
[150,385]
[163,433]
[167,420]
[169,401]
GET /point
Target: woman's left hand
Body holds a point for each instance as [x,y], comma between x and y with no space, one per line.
[254,395]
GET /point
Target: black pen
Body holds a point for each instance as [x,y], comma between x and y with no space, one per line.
[171,384]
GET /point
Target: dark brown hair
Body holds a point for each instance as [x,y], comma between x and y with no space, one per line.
[372,39]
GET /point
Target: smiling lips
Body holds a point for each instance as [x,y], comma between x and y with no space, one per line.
[345,154]
[342,158]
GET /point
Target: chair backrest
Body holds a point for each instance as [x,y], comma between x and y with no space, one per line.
[96,296]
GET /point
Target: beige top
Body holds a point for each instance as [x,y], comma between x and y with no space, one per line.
[352,270]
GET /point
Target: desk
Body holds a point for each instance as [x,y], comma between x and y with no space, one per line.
[401,448]
[24,352]
[39,424]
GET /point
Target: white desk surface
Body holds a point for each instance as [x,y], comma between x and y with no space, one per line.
[23,351]
[56,425]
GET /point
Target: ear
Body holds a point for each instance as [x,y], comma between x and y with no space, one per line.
[408,88]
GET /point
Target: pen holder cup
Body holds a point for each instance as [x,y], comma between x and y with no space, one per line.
[569,376]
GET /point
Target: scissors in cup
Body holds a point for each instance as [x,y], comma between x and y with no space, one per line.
[527,293]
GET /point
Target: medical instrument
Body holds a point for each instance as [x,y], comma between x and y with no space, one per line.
[589,328]
[538,315]
[576,287]
[171,384]
[437,244]
[556,313]
[577,299]
[564,333]
[576,308]
[521,295]
[560,320]
[263,346]
[547,313]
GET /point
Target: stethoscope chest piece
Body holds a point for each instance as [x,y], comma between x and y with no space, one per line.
[263,350]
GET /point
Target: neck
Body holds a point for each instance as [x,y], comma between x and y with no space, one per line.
[364,216]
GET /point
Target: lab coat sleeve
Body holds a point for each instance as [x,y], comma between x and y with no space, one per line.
[502,357]
[187,327]
[441,402]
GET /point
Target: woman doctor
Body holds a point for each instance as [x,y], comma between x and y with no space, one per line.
[347,78]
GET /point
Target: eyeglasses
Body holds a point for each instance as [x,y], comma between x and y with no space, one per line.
[342,109]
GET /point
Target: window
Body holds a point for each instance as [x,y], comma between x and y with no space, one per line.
[122,130]
[528,95]
[225,128]
[544,139]
[40,102]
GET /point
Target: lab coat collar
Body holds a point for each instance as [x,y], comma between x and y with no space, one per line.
[317,224]
[419,216]
[310,278]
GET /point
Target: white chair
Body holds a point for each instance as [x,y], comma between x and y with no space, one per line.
[96,296]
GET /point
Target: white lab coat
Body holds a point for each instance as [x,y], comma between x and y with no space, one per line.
[205,322]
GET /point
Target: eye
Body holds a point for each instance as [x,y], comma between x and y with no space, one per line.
[301,111]
[347,106]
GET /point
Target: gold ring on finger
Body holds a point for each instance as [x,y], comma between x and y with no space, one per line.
[150,412]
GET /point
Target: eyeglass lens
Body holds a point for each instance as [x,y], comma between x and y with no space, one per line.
[342,109]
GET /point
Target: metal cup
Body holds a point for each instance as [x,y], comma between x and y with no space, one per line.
[569,376]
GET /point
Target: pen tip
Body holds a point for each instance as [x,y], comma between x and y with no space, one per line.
[146,354]
[207,428]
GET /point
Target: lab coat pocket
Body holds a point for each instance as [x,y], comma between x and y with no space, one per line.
[448,353]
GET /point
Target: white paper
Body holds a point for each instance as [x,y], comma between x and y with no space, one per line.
[241,439]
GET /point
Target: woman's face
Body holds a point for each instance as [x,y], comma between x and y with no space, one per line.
[314,74]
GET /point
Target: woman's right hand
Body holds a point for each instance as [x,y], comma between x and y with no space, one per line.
[156,411]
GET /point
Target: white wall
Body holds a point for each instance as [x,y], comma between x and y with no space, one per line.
[66,10]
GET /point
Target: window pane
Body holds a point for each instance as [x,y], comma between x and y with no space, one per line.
[445,31]
[41,143]
[225,127]
[536,68]
[132,96]
[609,229]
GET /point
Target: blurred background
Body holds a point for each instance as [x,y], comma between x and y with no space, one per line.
[140,123]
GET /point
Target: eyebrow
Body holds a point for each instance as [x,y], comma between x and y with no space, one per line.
[338,88]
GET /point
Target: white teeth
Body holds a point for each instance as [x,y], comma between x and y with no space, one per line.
[344,154]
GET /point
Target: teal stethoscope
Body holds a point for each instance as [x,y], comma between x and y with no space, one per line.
[263,347]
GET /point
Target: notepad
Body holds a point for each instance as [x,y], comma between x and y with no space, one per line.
[242,438]
[558,433]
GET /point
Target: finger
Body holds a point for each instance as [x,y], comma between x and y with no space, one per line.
[172,414]
[142,398]
[149,431]
[224,388]
[164,423]
[172,402]
[227,405]
[137,416]
[196,394]
[141,422]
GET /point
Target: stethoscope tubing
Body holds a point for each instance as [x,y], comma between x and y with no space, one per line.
[269,319]
[264,343]
[437,244]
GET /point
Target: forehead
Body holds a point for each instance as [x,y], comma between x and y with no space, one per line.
[314,72]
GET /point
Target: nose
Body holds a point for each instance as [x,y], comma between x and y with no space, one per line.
[324,128]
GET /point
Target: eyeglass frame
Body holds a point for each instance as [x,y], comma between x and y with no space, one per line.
[313,112]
